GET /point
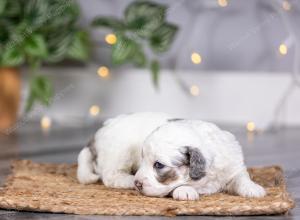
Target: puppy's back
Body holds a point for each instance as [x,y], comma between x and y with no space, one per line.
[130,129]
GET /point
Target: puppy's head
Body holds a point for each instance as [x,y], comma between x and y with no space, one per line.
[170,158]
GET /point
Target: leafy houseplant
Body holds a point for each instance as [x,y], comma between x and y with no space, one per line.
[35,32]
[143,24]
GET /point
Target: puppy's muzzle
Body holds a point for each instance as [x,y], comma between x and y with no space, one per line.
[138,185]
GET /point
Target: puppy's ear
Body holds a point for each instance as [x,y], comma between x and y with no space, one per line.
[196,162]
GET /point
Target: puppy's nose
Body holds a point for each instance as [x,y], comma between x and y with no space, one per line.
[138,184]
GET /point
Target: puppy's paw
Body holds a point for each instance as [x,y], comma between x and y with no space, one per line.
[121,181]
[185,193]
[252,190]
[125,183]
[88,178]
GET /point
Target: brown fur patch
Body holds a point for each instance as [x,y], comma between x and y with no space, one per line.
[167,177]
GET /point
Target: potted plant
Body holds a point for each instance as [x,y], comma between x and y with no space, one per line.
[34,32]
[143,25]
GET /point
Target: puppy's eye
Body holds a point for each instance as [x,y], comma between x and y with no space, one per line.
[158,165]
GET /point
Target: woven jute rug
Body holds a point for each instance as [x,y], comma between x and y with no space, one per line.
[54,188]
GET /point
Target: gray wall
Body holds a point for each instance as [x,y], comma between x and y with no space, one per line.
[239,48]
[245,35]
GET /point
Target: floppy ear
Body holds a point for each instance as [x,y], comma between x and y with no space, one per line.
[196,162]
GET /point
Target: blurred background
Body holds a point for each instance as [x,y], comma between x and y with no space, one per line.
[227,61]
[67,65]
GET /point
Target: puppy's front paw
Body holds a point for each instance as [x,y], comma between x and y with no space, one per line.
[121,181]
[185,193]
[88,178]
[252,190]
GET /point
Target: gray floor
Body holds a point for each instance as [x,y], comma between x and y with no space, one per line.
[63,144]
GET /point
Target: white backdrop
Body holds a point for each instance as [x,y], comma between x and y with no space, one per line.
[225,97]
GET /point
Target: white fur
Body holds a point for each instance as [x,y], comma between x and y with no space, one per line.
[185,193]
[122,141]
[85,173]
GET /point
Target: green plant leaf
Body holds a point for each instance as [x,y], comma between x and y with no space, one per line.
[12,56]
[40,90]
[162,37]
[155,67]
[58,46]
[61,14]
[35,12]
[79,48]
[2,6]
[139,58]
[144,17]
[35,46]
[123,50]
[108,22]
[12,8]
[35,31]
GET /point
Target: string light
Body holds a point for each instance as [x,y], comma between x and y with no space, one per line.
[196,58]
[46,123]
[286,5]
[111,39]
[194,90]
[283,49]
[251,126]
[223,3]
[103,72]
[94,110]
[292,39]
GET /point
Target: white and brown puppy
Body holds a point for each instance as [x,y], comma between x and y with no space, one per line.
[162,156]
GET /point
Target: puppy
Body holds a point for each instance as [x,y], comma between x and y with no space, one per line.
[161,156]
